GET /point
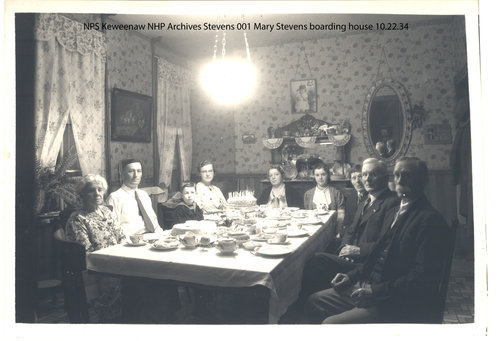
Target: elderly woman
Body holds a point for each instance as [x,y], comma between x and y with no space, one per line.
[279,194]
[323,196]
[209,197]
[96,227]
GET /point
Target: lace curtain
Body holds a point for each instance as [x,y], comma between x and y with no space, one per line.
[69,84]
[174,119]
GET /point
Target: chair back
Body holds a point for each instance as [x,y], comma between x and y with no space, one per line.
[72,258]
[71,254]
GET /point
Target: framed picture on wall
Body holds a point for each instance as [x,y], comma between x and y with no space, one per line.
[303,96]
[130,116]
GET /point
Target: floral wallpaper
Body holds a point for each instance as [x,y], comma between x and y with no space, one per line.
[213,133]
[423,59]
[129,67]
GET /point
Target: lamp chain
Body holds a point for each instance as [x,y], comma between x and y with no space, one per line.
[246,44]
[215,44]
[223,44]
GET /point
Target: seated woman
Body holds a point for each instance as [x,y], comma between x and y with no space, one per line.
[184,205]
[208,196]
[96,227]
[323,196]
[279,194]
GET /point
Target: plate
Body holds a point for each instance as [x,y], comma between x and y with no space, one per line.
[139,244]
[271,242]
[297,233]
[298,214]
[261,237]
[163,248]
[273,251]
[309,221]
[321,212]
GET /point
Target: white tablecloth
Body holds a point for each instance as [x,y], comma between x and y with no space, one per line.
[208,267]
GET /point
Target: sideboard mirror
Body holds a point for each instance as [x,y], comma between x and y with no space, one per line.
[386,120]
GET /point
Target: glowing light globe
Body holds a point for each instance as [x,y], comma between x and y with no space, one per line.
[228,81]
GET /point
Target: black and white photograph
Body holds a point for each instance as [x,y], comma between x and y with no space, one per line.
[155,184]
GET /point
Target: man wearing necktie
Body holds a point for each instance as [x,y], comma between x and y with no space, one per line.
[360,237]
[144,300]
[131,205]
[399,280]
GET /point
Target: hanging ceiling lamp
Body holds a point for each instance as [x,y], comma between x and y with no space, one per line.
[229,81]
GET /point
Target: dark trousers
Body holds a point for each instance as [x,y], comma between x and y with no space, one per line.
[319,272]
[337,307]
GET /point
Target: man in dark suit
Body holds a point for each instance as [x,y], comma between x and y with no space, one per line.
[399,280]
[353,196]
[360,236]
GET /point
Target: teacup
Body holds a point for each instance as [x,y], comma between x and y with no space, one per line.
[251,229]
[189,240]
[227,245]
[205,241]
[137,238]
[279,238]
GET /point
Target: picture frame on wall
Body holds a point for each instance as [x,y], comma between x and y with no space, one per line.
[303,94]
[130,116]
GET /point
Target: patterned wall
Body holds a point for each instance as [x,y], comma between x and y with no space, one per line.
[423,59]
[129,63]
[213,133]
[459,43]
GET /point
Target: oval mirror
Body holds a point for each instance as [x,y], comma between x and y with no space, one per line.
[386,120]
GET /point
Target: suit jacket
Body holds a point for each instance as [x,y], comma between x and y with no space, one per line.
[351,205]
[293,198]
[365,230]
[409,282]
[338,202]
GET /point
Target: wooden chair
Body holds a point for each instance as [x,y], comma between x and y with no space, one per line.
[72,259]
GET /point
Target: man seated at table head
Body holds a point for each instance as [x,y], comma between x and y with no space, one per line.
[360,237]
[399,280]
[131,205]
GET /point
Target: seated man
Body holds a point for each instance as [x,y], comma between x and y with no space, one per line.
[144,300]
[131,205]
[353,196]
[399,280]
[360,236]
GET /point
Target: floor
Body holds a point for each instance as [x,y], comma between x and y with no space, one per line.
[459,303]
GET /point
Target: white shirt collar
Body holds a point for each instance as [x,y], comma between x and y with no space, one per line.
[128,189]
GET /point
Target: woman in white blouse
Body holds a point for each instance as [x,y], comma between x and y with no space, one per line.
[323,196]
[209,197]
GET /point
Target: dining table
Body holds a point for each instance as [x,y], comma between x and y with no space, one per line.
[277,274]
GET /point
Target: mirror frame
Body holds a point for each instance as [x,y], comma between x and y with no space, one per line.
[400,91]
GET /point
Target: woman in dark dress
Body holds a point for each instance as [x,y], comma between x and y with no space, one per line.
[279,194]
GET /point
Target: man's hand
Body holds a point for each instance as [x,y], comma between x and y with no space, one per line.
[363,297]
[349,250]
[340,281]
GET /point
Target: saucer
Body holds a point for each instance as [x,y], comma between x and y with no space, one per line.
[138,244]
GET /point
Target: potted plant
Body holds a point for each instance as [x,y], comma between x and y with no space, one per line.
[54,184]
